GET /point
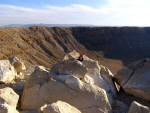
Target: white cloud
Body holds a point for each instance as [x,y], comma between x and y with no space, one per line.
[115,12]
[74,14]
[130,12]
[16,8]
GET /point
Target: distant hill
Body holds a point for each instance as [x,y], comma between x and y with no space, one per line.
[114,47]
[48,25]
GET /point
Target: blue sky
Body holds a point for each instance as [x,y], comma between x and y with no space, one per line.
[41,3]
[94,12]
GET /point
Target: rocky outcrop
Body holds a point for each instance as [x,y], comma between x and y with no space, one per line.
[108,77]
[123,75]
[7,71]
[8,101]
[72,91]
[18,64]
[11,74]
[58,107]
[11,69]
[137,81]
[138,108]
[70,67]
[96,74]
[45,87]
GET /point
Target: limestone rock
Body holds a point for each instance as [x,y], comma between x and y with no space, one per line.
[123,75]
[29,70]
[9,96]
[108,76]
[16,86]
[18,64]
[72,55]
[7,71]
[8,100]
[5,108]
[42,88]
[85,85]
[138,108]
[59,107]
[90,71]
[138,83]
[39,76]
[70,67]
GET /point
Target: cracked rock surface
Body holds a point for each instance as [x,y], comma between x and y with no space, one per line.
[48,87]
[137,81]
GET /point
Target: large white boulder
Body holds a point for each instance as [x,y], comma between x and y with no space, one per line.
[44,88]
[138,108]
[7,71]
[58,107]
[95,74]
[8,100]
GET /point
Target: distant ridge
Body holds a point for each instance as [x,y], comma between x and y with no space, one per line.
[49,25]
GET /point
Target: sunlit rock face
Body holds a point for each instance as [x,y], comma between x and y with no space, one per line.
[80,84]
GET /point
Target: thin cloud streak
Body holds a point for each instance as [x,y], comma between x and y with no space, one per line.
[7,7]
